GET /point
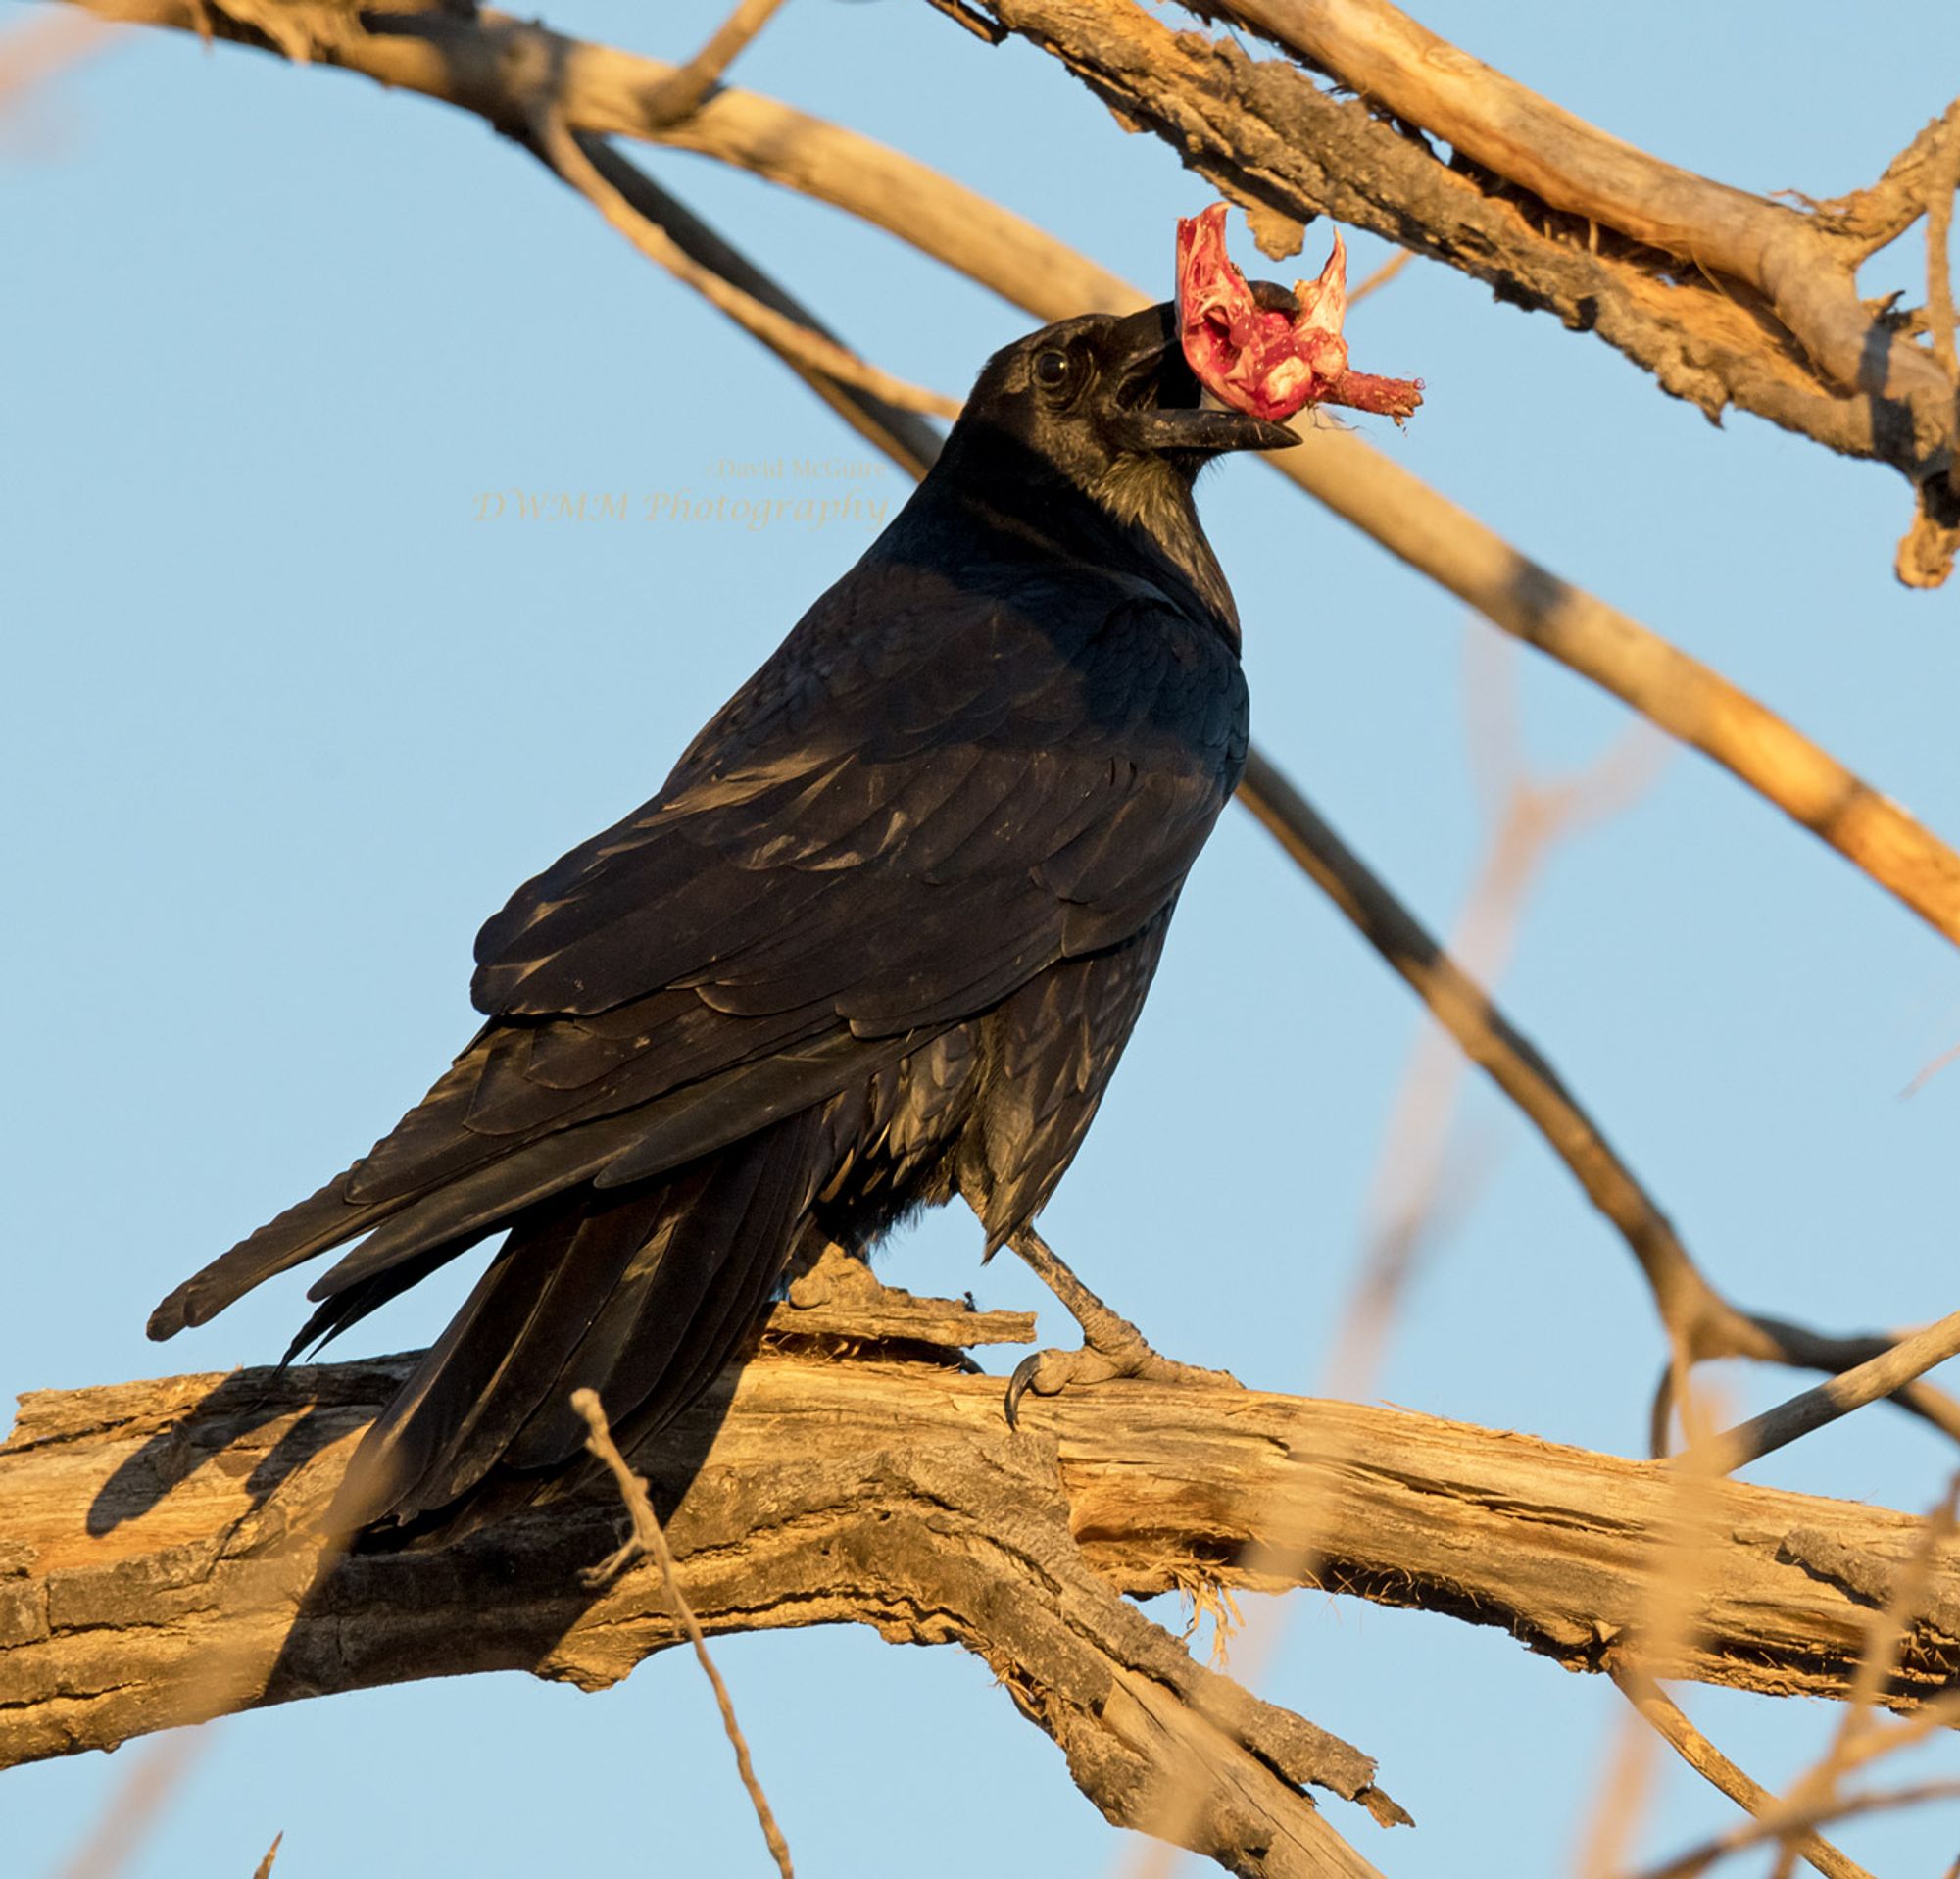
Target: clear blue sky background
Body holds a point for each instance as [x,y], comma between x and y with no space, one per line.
[290,722]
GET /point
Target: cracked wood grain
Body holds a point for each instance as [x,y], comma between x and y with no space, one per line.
[156,1570]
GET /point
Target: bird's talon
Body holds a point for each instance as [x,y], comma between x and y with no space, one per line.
[1049,1372]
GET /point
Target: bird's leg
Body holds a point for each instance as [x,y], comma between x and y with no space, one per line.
[1111,1345]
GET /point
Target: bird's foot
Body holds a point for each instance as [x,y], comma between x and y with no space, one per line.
[1111,1345]
[1113,1348]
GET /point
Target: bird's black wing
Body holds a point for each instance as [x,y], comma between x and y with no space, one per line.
[924,799]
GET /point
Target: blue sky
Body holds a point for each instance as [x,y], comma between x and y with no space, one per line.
[292,719]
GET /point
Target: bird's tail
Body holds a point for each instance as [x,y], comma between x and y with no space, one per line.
[640,1293]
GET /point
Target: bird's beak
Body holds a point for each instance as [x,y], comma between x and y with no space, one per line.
[1159,402]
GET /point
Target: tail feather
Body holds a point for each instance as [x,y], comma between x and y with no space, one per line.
[665,1344]
[490,1195]
[349,1307]
[465,1400]
[321,1221]
[641,1295]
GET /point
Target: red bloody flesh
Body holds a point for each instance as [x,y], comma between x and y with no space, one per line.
[1265,361]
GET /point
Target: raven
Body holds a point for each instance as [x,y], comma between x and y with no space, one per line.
[879,939]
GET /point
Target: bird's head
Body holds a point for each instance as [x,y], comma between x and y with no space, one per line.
[1107,394]
[1086,438]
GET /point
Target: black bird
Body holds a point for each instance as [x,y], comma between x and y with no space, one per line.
[879,940]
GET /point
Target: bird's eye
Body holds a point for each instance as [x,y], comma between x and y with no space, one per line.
[1053,368]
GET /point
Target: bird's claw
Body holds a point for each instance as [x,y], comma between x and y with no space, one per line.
[1048,1372]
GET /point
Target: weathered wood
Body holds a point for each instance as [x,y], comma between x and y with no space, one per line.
[152,1533]
[161,1568]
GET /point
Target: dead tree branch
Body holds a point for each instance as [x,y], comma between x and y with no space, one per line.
[161,1570]
[1693,1748]
[1783,336]
[1700,1323]
[1511,133]
[780,332]
[1886,1371]
[157,1529]
[681,95]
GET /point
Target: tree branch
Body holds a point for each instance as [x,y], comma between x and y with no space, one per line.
[1700,1323]
[156,1569]
[162,1569]
[564,152]
[1794,261]
[1268,135]
[1707,1760]
[647,1540]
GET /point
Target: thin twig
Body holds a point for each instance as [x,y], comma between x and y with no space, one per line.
[132,1813]
[1927,1072]
[1702,1756]
[907,438]
[1881,1376]
[561,148]
[680,96]
[647,1538]
[1698,1319]
[1753,1833]
[1382,275]
[1529,818]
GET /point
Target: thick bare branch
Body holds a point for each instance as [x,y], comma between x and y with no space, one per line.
[154,1583]
[1794,263]
[156,1529]
[1271,139]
